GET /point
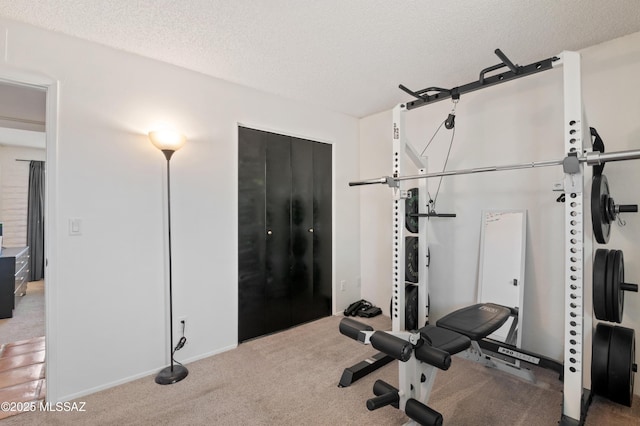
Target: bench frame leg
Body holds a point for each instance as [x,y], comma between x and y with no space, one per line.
[361,369]
[475,353]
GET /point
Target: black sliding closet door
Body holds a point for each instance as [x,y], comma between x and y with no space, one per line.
[322,231]
[278,234]
[251,233]
[284,188]
[301,231]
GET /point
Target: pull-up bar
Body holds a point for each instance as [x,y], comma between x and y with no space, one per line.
[423,97]
[593,158]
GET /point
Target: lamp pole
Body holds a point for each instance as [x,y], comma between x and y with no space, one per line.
[173,373]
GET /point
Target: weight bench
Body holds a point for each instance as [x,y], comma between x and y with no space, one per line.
[422,352]
[480,321]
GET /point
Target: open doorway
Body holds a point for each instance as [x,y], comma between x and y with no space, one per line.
[22,214]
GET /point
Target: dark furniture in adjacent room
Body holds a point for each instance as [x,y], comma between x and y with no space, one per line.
[14,273]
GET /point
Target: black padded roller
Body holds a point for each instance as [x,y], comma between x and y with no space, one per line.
[434,356]
[380,387]
[422,414]
[391,345]
[389,398]
[352,328]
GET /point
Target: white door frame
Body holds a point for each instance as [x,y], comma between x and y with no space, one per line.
[26,78]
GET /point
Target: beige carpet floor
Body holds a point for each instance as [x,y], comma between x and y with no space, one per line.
[290,378]
[28,316]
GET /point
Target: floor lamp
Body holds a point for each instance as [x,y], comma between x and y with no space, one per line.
[169,142]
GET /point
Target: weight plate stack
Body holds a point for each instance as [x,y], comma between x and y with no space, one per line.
[613,363]
[609,285]
[613,347]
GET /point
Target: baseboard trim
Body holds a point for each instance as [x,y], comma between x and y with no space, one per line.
[147,373]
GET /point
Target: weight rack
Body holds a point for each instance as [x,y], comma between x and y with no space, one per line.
[578,313]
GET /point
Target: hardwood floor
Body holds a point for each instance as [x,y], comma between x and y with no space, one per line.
[22,372]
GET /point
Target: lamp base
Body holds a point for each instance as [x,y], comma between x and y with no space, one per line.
[167,376]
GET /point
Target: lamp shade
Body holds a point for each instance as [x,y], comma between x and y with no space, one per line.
[167,140]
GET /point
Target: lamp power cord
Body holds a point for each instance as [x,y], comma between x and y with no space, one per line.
[180,344]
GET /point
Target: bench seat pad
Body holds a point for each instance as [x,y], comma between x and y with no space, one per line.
[476,321]
[444,339]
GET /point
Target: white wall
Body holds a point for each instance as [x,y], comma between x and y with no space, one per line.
[516,122]
[14,192]
[107,316]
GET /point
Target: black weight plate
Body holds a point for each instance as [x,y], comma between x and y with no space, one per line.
[411,256]
[600,359]
[598,145]
[599,218]
[611,258]
[411,206]
[617,292]
[599,283]
[622,353]
[411,307]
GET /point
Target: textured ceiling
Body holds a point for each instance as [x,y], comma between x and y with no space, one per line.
[345,55]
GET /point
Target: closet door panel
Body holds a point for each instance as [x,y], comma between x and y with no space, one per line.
[251,236]
[322,229]
[302,231]
[278,232]
[284,232]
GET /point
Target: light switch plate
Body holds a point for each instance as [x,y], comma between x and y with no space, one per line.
[75,226]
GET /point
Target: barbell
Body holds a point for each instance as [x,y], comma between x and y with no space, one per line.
[591,158]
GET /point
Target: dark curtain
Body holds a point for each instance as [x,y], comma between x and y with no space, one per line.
[35,220]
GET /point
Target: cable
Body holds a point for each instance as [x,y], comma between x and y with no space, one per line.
[449,123]
[180,344]
[453,134]
[432,137]
[425,148]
